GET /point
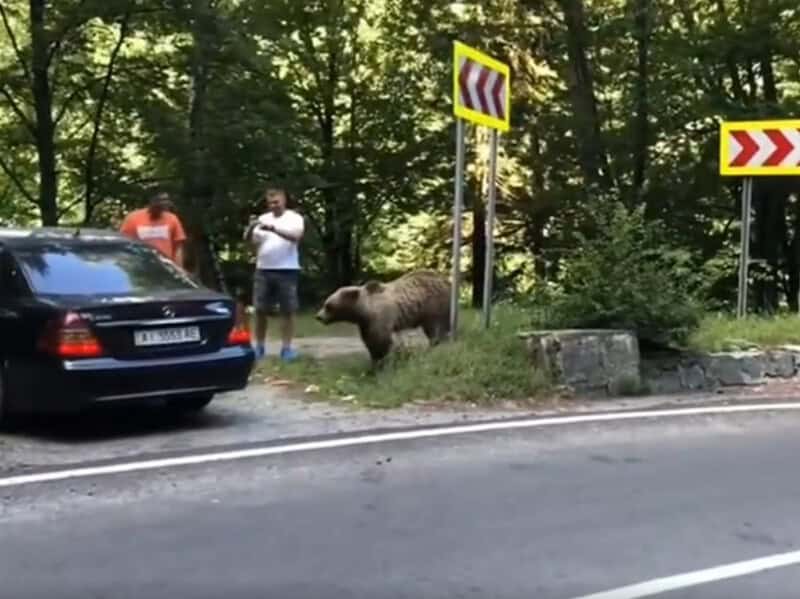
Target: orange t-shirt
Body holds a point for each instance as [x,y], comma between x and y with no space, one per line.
[163,233]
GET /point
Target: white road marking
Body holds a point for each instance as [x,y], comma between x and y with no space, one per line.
[371,439]
[691,579]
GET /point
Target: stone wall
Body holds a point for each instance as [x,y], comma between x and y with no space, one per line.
[588,361]
[708,372]
[608,362]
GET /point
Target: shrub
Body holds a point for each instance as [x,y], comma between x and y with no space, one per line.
[627,275]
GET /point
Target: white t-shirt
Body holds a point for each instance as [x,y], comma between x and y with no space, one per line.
[276,252]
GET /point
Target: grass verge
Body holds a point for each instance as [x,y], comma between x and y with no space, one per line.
[726,333]
[307,326]
[480,366]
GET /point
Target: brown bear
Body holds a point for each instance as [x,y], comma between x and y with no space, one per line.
[417,299]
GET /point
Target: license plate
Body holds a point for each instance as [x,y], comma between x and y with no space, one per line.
[166,336]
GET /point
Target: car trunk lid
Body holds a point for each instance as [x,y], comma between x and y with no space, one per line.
[159,327]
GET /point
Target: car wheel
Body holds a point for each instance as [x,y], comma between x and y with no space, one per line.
[195,403]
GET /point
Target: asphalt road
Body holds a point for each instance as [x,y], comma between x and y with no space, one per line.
[549,513]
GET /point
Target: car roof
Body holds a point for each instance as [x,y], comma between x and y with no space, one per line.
[32,237]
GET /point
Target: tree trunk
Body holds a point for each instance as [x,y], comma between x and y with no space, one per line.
[538,217]
[770,207]
[340,217]
[793,264]
[89,201]
[588,131]
[198,187]
[43,107]
[768,77]
[730,58]
[338,241]
[641,131]
[770,227]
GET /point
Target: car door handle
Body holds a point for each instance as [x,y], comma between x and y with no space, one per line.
[6,313]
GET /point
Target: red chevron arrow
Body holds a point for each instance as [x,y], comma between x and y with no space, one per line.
[497,96]
[749,148]
[481,86]
[783,147]
[463,81]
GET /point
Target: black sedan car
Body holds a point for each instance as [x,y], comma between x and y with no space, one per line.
[91,316]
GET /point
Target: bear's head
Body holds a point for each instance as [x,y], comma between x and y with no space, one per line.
[348,304]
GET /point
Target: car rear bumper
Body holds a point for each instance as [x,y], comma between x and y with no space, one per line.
[75,383]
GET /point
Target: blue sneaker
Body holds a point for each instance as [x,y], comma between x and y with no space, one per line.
[288,354]
[260,352]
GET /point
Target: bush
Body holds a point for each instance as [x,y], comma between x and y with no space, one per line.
[627,275]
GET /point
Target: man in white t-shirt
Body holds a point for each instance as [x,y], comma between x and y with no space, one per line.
[276,235]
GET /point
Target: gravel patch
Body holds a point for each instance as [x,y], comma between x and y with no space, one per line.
[267,412]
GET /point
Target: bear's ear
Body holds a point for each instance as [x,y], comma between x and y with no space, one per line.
[373,287]
[351,293]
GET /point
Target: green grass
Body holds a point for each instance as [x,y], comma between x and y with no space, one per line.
[480,367]
[726,333]
[307,326]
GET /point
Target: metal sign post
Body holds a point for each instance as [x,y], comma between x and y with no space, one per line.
[756,149]
[744,256]
[481,95]
[488,273]
[458,202]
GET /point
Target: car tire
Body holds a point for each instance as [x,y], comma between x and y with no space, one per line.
[195,403]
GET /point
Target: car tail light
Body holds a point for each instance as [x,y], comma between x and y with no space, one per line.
[70,338]
[239,336]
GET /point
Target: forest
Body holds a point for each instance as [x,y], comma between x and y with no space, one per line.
[612,157]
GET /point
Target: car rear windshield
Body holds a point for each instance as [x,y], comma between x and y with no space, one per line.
[99,269]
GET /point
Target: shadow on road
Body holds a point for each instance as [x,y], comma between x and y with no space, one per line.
[104,423]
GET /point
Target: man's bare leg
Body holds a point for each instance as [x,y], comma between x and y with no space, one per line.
[241,319]
[287,335]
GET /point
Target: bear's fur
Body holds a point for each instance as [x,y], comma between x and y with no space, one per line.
[417,299]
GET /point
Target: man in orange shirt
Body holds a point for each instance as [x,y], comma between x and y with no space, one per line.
[158,227]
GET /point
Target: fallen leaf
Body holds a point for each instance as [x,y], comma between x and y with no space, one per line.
[312,389]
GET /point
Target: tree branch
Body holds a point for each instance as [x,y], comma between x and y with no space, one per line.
[98,117]
[77,130]
[18,111]
[14,44]
[310,55]
[72,96]
[58,39]
[65,209]
[17,183]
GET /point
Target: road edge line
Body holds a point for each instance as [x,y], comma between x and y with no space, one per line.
[699,577]
[384,437]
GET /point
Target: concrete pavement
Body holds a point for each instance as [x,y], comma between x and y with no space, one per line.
[266,412]
[557,512]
